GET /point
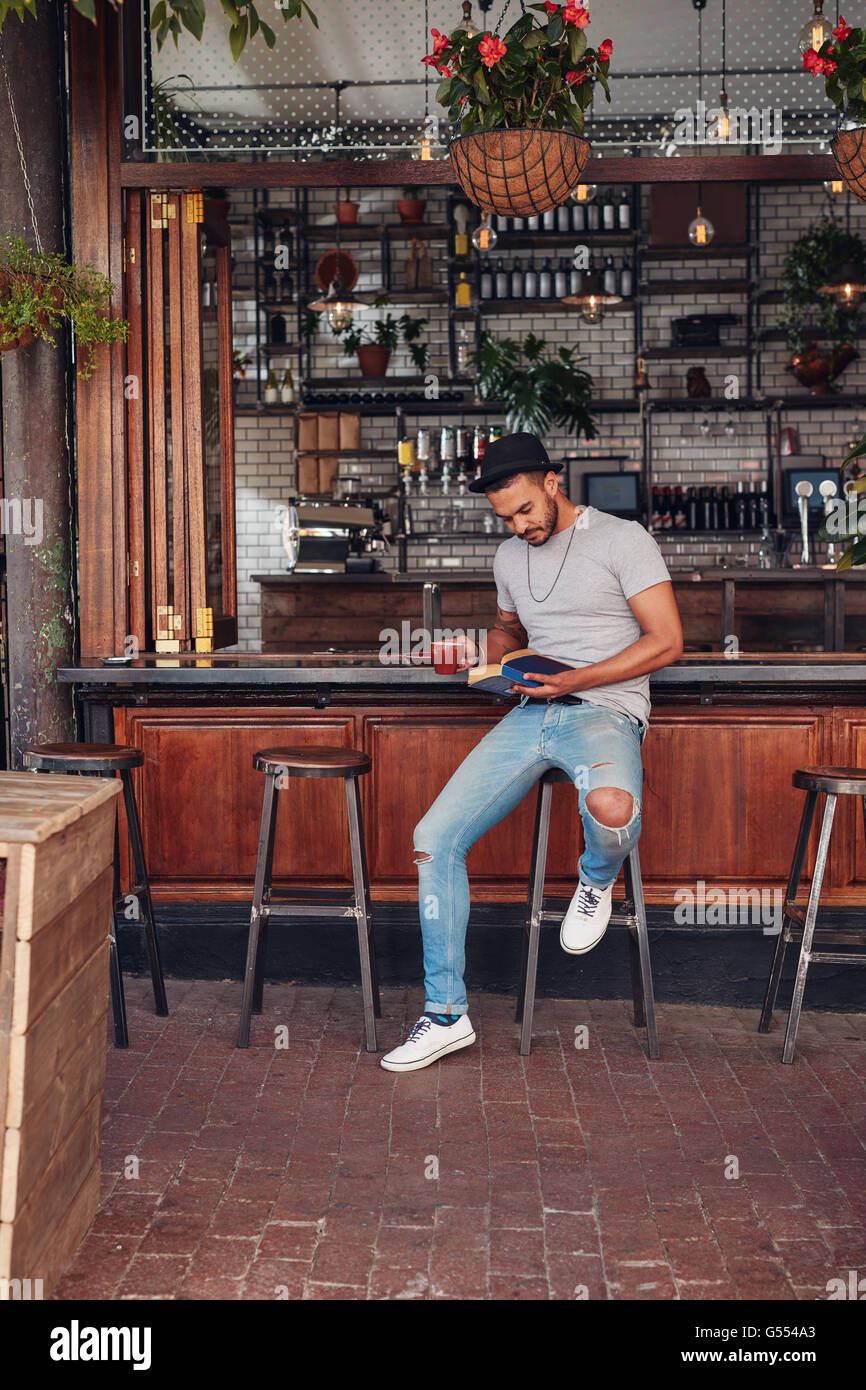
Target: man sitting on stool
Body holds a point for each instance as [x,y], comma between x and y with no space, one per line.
[588,589]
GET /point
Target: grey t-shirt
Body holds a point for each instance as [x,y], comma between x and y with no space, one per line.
[585,616]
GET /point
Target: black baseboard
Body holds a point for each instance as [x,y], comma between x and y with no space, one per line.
[691,965]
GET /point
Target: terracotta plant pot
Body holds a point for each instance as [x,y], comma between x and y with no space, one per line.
[518,172]
[816,370]
[373,360]
[411,209]
[849,154]
[346,213]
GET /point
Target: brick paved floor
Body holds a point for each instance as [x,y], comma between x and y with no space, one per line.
[308,1172]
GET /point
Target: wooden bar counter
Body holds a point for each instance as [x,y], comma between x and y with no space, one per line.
[57,841]
[724,739]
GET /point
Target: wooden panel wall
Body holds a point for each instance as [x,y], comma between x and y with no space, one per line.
[718,802]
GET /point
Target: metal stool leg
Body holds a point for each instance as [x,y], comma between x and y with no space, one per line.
[791,891]
[254,972]
[530,890]
[809,929]
[115,978]
[542,828]
[142,892]
[646,1013]
[369,990]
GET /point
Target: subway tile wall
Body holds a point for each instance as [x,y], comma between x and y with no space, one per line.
[687,448]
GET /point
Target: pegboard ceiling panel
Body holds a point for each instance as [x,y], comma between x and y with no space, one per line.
[356,86]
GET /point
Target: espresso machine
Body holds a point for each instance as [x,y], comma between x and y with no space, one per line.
[331,537]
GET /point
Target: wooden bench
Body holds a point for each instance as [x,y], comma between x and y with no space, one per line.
[57,841]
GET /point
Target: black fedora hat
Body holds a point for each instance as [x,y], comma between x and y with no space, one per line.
[513,453]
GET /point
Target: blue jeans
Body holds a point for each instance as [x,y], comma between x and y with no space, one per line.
[597,747]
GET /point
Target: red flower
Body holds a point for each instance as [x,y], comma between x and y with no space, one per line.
[440,41]
[605,49]
[550,7]
[433,62]
[827,67]
[575,78]
[842,30]
[491,50]
[811,61]
[576,14]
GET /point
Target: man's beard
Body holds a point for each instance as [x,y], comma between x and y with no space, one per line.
[545,530]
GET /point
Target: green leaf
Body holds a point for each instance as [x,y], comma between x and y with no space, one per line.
[468,124]
[254,20]
[555,28]
[483,93]
[576,45]
[311,16]
[443,92]
[238,37]
[231,9]
[519,30]
[268,34]
[533,40]
[193,20]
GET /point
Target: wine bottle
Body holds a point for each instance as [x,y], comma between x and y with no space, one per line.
[502,281]
[656,516]
[575,280]
[578,217]
[287,390]
[679,510]
[549,220]
[724,510]
[593,217]
[692,509]
[530,281]
[752,512]
[704,510]
[545,281]
[623,211]
[272,390]
[560,280]
[609,276]
[517,281]
[608,213]
[486,280]
[626,280]
[714,510]
[763,505]
[667,510]
[563,218]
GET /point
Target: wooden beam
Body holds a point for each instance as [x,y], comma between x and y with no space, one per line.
[97,234]
[371,173]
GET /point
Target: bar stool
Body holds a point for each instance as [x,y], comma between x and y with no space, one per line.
[101,759]
[631,915]
[279,764]
[797,926]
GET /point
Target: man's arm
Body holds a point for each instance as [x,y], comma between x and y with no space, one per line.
[506,635]
[660,643]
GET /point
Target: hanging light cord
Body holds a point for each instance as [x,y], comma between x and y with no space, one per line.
[724,45]
[700,55]
[16,128]
[505,11]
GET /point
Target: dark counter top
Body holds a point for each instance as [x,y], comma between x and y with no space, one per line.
[363,669]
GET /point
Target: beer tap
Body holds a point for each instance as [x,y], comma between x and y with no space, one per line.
[804,491]
[827,489]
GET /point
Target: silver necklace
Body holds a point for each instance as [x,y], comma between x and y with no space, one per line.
[559,571]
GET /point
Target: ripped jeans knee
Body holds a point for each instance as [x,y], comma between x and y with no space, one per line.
[614,815]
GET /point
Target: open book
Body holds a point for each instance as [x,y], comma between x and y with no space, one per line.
[498,678]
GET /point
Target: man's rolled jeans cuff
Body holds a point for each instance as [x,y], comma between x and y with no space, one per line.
[450,1009]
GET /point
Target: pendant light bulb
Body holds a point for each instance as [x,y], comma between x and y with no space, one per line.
[846,286]
[485,237]
[337,305]
[722,125]
[585,192]
[466,25]
[834,188]
[816,31]
[701,230]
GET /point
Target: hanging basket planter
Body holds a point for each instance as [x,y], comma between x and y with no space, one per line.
[849,155]
[519,172]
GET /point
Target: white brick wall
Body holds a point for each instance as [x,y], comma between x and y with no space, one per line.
[682,456]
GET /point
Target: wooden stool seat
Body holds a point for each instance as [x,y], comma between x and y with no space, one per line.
[312,762]
[96,759]
[841,781]
[81,757]
[268,901]
[801,926]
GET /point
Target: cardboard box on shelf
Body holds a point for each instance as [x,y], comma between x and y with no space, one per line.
[350,429]
[329,430]
[308,431]
[327,473]
[308,475]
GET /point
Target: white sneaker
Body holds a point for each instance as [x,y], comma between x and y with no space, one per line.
[585,922]
[427,1042]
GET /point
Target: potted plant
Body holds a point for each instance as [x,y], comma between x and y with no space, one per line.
[39,291]
[375,342]
[536,388]
[519,101]
[345,211]
[841,61]
[809,315]
[410,206]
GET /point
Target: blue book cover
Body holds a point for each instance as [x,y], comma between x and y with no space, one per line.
[497,679]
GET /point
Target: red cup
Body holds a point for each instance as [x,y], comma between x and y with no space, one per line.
[446,655]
